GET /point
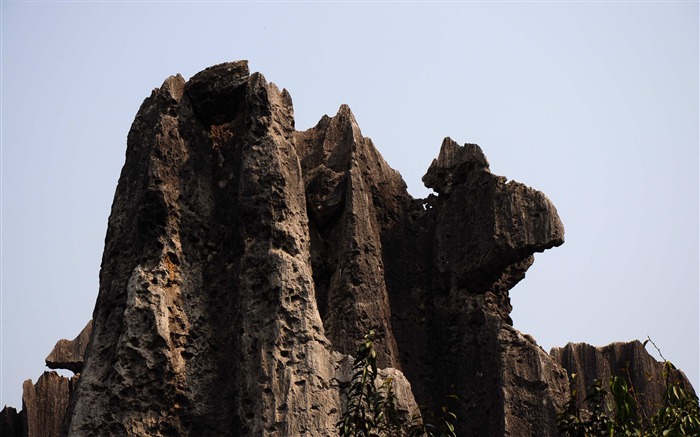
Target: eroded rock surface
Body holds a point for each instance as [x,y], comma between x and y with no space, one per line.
[244,259]
[44,404]
[629,360]
[69,354]
[207,320]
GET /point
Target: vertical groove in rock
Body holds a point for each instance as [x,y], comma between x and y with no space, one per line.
[628,360]
[347,182]
[285,364]
[44,404]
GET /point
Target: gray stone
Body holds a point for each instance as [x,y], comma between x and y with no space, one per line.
[207,322]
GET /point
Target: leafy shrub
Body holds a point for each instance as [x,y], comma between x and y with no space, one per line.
[371,407]
[678,416]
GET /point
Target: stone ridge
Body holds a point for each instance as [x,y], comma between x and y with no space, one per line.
[207,322]
[244,260]
[626,359]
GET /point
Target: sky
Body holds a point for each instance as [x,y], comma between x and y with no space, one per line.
[593,103]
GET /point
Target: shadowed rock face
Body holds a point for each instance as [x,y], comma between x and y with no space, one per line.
[244,259]
[11,422]
[449,286]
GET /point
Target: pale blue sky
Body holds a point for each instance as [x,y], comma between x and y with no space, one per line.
[593,103]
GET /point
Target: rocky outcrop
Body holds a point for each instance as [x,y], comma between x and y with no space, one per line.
[207,320]
[630,361]
[44,404]
[11,422]
[475,242]
[69,354]
[352,197]
[244,259]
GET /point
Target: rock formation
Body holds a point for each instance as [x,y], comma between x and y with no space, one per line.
[244,259]
[46,404]
[207,320]
[629,360]
[69,354]
[11,422]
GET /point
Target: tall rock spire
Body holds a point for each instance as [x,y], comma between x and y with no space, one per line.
[207,321]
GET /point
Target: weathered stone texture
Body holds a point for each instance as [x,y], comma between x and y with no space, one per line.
[69,354]
[449,293]
[244,259]
[629,360]
[352,196]
[45,403]
[207,320]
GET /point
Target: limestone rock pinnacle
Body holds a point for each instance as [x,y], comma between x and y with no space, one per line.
[244,260]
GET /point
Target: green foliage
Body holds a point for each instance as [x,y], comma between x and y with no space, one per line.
[441,426]
[593,422]
[371,408]
[679,416]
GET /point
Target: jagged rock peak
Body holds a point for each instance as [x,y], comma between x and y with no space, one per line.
[244,259]
[453,165]
[217,92]
[207,319]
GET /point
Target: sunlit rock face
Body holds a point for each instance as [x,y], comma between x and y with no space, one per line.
[623,359]
[244,260]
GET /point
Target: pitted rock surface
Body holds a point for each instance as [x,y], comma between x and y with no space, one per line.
[244,260]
